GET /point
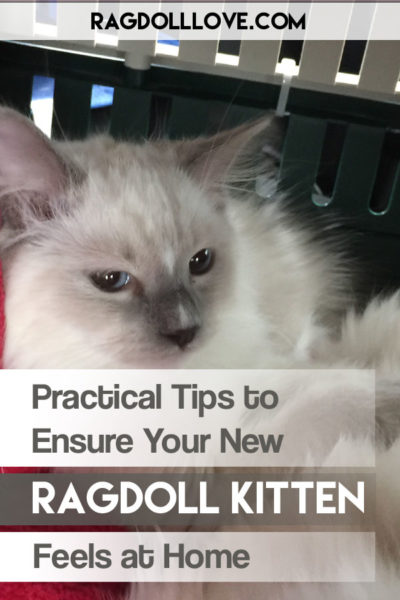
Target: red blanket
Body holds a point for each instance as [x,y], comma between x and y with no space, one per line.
[51,591]
[61,591]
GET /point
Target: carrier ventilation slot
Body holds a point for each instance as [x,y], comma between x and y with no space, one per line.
[107,37]
[359,29]
[101,102]
[167,44]
[160,109]
[351,61]
[290,51]
[387,169]
[45,20]
[42,102]
[228,52]
[328,167]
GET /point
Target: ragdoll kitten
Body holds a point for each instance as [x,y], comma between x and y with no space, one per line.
[121,255]
[136,255]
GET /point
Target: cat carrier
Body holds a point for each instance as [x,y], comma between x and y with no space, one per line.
[341,152]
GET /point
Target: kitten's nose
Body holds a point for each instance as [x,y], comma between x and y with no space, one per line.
[181,337]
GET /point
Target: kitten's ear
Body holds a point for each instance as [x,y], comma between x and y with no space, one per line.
[211,159]
[32,175]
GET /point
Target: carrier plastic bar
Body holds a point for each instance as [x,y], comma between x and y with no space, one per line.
[138,54]
[85,47]
[259,56]
[320,61]
[107,38]
[198,51]
[80,15]
[381,66]
[288,69]
[19,24]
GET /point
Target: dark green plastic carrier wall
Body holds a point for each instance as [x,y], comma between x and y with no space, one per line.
[341,151]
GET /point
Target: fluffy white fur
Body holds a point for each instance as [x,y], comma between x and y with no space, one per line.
[273,298]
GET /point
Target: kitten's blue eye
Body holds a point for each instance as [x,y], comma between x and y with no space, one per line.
[111,281]
[202,261]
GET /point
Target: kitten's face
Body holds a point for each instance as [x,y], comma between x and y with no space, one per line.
[138,268]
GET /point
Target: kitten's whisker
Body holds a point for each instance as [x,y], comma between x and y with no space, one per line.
[60,129]
[206,166]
